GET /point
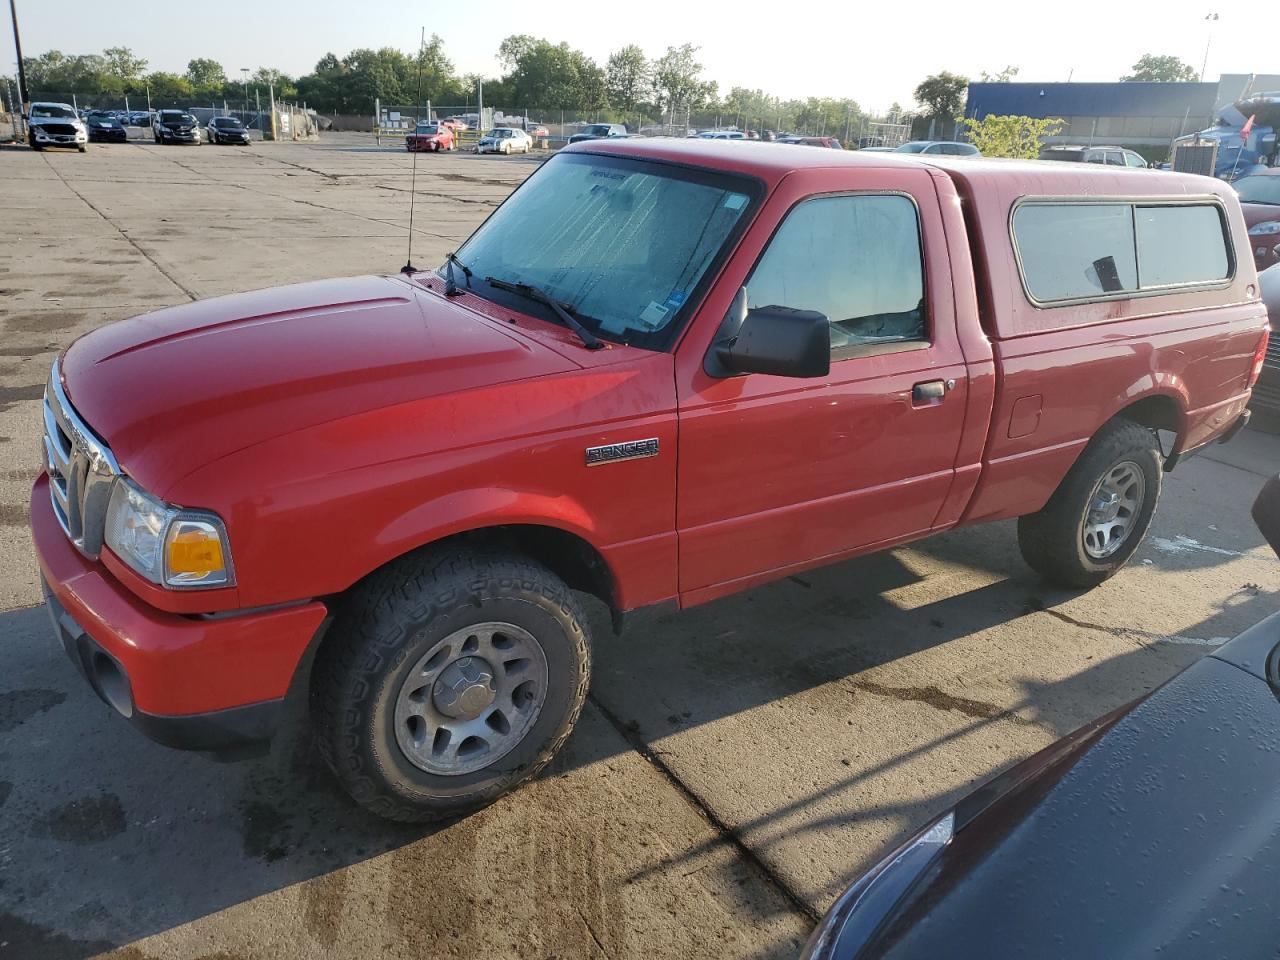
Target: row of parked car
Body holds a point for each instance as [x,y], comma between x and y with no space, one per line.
[61,125]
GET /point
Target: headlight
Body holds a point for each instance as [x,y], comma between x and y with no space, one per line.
[1267,228]
[166,544]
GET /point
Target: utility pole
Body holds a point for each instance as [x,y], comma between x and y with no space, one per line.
[244,71]
[23,92]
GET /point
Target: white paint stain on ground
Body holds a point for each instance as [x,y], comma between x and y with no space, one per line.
[1197,641]
[1181,544]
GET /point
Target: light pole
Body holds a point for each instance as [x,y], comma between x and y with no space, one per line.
[244,72]
[17,46]
[1211,18]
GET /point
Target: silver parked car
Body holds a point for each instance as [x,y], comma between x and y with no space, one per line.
[55,125]
[505,140]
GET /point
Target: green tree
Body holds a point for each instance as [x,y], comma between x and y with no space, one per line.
[942,95]
[168,86]
[1163,69]
[550,75]
[205,73]
[514,47]
[677,80]
[628,78]
[269,79]
[121,62]
[1019,138]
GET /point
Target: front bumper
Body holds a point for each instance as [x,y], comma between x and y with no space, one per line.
[44,138]
[416,145]
[179,136]
[193,682]
[110,136]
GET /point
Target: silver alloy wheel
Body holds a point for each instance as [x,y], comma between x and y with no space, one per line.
[471,698]
[1113,509]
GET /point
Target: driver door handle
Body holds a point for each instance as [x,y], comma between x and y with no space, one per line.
[930,391]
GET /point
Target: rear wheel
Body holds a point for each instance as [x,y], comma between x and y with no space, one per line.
[1100,512]
[448,681]
[81,147]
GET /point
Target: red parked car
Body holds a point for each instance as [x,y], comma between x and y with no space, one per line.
[432,137]
[381,491]
[1260,200]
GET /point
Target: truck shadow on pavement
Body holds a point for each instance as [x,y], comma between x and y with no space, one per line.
[106,838]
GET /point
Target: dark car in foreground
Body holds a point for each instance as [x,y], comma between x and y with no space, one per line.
[1152,831]
[1260,202]
[105,128]
[226,130]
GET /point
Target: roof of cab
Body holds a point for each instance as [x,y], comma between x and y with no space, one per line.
[773,161]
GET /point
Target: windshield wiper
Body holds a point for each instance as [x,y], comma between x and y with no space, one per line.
[451,285]
[589,339]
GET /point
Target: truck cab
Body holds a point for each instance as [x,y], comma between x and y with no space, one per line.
[661,372]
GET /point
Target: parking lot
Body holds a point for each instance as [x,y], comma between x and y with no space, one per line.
[735,766]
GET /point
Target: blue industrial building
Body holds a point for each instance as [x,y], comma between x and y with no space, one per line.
[1129,114]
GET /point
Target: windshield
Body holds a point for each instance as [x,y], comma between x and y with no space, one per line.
[625,244]
[1259,189]
[912,148]
[61,113]
[226,122]
[168,116]
[602,129]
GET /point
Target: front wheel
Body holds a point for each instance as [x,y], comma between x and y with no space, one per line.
[1100,512]
[449,680]
[81,147]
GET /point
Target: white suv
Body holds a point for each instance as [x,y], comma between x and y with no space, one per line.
[56,125]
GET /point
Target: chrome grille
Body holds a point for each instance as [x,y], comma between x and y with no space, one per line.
[81,470]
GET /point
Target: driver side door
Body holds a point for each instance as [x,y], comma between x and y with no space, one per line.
[776,473]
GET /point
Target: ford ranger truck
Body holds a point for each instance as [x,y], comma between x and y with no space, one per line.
[661,372]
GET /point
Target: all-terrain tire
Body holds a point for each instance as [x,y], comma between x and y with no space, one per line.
[1052,540]
[379,636]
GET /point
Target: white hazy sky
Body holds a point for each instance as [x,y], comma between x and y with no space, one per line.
[874,54]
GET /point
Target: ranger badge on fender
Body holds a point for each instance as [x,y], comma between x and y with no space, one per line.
[630,450]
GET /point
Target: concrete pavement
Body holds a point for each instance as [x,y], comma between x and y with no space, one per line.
[737,764]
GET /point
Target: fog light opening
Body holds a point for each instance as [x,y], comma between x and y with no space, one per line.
[111,681]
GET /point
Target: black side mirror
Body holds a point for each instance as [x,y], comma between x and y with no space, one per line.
[776,340]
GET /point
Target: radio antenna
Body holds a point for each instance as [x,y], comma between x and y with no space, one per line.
[413,176]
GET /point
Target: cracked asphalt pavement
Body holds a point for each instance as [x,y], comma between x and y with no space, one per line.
[736,765]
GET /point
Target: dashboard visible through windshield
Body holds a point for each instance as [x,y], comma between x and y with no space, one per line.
[626,245]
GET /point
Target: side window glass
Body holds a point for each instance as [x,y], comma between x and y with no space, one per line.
[855,259]
[1076,250]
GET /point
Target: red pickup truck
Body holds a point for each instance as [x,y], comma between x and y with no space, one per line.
[661,372]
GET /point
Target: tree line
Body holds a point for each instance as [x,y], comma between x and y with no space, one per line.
[536,75]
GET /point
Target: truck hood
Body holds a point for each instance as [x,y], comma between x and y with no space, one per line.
[177,389]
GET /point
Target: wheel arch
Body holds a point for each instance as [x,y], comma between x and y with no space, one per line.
[1159,412]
